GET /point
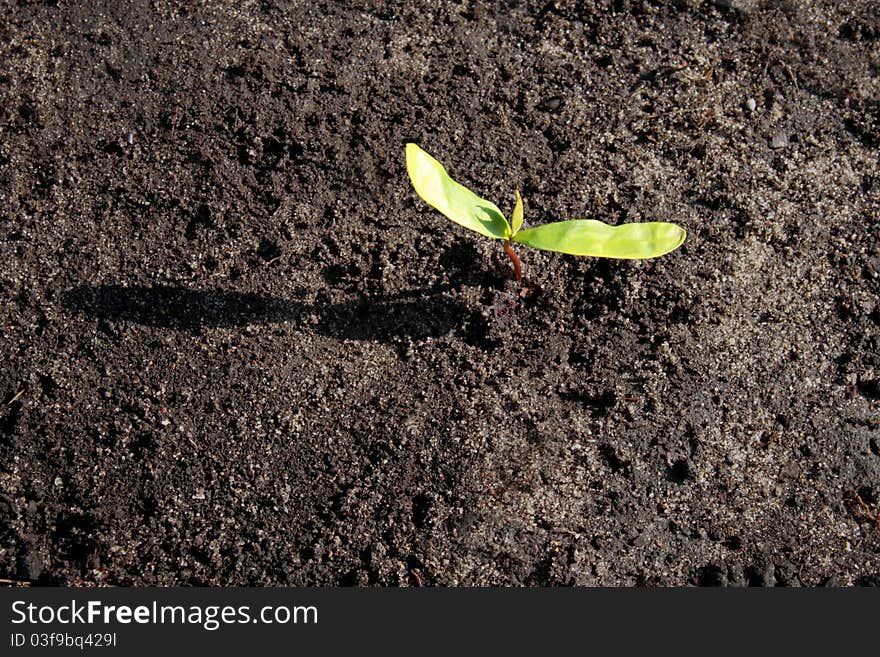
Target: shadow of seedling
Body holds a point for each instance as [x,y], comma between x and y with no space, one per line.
[418,314]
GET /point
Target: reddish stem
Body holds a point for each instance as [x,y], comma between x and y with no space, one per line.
[517,265]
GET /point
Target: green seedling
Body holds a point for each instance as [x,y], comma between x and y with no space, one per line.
[580,237]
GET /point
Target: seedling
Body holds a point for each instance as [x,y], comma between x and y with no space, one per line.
[580,237]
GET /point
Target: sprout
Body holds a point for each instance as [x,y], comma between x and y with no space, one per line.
[581,237]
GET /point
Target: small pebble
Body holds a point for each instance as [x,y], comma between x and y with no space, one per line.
[751,105]
[551,104]
[33,565]
[780,140]
[742,6]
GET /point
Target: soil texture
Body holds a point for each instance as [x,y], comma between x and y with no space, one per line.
[236,348]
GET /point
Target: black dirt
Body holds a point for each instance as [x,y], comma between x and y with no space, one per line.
[237,349]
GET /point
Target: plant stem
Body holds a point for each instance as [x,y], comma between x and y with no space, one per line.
[517,265]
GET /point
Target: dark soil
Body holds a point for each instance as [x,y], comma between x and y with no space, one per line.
[237,348]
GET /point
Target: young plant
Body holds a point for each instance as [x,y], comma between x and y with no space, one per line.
[581,237]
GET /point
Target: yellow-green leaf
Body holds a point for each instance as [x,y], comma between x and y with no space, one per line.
[453,199]
[516,217]
[588,237]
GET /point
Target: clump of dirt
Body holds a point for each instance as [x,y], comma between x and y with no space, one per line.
[236,348]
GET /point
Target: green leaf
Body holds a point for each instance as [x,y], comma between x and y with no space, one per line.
[588,237]
[454,200]
[516,217]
